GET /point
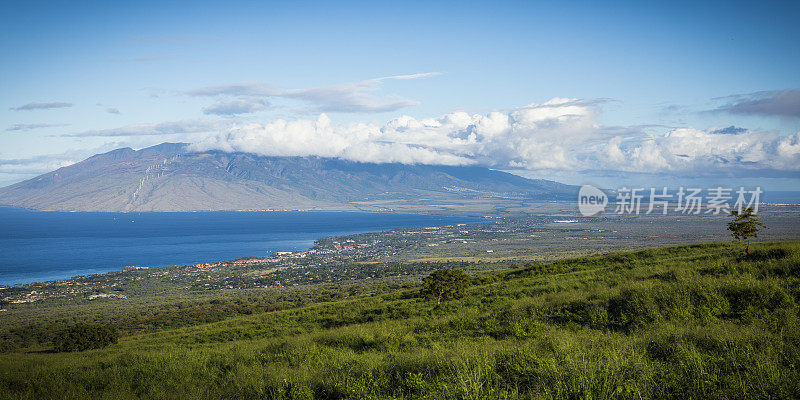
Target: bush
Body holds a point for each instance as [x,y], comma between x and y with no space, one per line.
[82,337]
[445,284]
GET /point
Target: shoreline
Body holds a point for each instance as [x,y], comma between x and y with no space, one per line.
[270,252]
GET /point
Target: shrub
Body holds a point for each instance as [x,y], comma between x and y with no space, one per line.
[82,337]
[445,284]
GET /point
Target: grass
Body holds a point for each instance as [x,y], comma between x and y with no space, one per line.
[698,321]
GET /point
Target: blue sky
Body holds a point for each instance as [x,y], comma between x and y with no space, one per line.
[644,92]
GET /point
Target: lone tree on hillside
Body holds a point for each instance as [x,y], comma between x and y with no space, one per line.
[745,225]
[445,284]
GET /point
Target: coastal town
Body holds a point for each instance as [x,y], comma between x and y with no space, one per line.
[329,260]
[399,253]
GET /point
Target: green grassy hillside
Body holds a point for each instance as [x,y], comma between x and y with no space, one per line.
[700,321]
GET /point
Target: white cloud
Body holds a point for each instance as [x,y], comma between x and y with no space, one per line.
[15,170]
[353,97]
[28,127]
[559,135]
[44,163]
[42,106]
[33,165]
[789,146]
[705,152]
[782,103]
[237,106]
[161,128]
[412,76]
[301,137]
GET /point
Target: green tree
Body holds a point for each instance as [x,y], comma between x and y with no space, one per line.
[81,337]
[745,225]
[445,284]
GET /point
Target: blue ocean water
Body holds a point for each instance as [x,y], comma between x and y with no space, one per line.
[39,246]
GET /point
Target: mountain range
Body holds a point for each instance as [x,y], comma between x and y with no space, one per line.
[170,177]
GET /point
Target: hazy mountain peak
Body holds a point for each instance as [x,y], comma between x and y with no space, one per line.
[168,177]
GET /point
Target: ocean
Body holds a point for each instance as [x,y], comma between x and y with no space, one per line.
[39,246]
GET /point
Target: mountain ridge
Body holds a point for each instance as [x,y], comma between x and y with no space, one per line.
[169,177]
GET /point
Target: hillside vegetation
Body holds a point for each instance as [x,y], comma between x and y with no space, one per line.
[699,321]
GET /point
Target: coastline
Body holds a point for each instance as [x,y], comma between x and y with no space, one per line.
[292,241]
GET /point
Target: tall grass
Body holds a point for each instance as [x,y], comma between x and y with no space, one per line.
[698,321]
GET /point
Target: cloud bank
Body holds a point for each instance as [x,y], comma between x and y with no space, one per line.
[560,134]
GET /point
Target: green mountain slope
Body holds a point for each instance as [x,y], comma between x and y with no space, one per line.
[700,321]
[168,177]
